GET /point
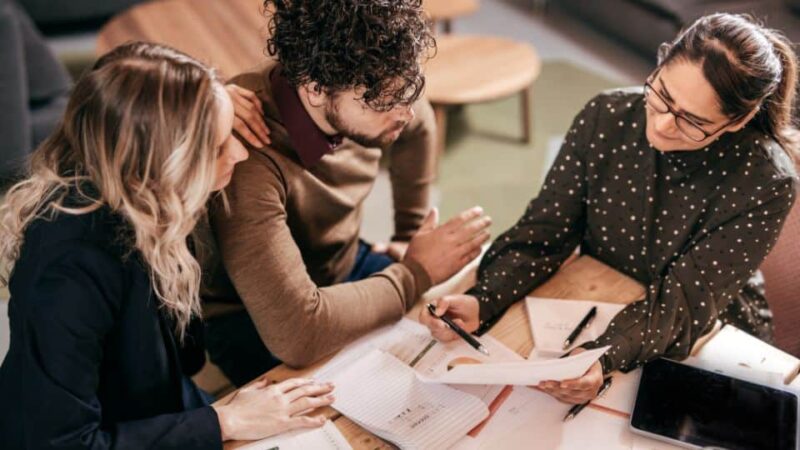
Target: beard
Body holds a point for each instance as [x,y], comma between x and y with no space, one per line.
[382,140]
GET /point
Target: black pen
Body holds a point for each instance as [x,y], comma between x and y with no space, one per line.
[459,331]
[577,331]
[578,408]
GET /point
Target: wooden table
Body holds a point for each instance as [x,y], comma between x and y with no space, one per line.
[583,278]
[445,11]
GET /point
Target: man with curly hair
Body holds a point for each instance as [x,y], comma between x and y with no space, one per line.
[343,90]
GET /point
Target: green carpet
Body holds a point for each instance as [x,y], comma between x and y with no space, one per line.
[487,164]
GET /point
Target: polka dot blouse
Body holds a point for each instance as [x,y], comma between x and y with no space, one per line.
[693,226]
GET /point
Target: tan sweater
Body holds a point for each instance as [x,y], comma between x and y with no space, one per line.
[292,234]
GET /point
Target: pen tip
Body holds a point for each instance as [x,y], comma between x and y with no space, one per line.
[483,350]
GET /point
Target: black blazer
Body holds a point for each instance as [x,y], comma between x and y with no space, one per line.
[93,362]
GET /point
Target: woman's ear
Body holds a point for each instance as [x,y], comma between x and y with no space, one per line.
[745,120]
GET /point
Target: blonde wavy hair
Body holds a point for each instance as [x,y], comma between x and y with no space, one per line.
[141,130]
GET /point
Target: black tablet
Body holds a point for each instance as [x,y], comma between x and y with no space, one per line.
[697,408]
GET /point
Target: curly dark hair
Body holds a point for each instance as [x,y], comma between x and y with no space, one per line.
[341,44]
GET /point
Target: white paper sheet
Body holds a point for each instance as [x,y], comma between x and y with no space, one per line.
[382,394]
[413,344]
[552,320]
[524,373]
[734,352]
[327,437]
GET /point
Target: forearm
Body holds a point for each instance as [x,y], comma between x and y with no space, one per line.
[412,170]
[302,323]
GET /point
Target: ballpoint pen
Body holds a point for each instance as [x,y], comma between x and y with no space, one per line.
[581,326]
[578,408]
[459,331]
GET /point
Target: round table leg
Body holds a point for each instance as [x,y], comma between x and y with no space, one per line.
[525,113]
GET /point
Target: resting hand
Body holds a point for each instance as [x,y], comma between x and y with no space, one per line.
[261,410]
[248,118]
[578,390]
[445,249]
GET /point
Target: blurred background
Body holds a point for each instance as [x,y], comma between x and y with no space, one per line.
[508,78]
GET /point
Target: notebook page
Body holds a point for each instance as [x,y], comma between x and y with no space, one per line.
[327,437]
[552,320]
[383,395]
[405,340]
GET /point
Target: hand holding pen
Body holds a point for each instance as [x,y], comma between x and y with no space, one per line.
[576,409]
[461,310]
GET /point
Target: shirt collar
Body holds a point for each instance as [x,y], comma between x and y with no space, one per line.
[309,142]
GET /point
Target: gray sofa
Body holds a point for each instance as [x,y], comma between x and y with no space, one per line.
[644,24]
[34,89]
[60,15]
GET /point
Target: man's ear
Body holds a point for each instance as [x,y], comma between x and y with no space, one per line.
[745,120]
[315,96]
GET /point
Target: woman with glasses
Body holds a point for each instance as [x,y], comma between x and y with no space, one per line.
[684,187]
[104,287]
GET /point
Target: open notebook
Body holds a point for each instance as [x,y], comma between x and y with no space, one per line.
[382,394]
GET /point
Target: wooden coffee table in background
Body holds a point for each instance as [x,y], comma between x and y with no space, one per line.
[471,69]
[229,35]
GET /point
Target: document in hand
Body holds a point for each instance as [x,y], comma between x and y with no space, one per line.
[382,394]
[524,373]
[327,437]
[552,320]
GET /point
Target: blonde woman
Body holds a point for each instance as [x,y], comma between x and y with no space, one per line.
[104,286]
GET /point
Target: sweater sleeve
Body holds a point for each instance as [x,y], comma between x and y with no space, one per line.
[70,311]
[551,228]
[684,302]
[412,169]
[269,275]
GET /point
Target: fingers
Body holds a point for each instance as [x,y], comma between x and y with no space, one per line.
[576,391]
[476,226]
[473,248]
[439,330]
[305,422]
[431,220]
[309,390]
[579,384]
[564,395]
[464,217]
[246,134]
[442,305]
[309,403]
[292,384]
[380,247]
[249,111]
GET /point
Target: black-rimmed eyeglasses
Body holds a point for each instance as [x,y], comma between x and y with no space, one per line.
[686,126]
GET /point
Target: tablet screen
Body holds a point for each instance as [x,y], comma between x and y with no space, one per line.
[704,408]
